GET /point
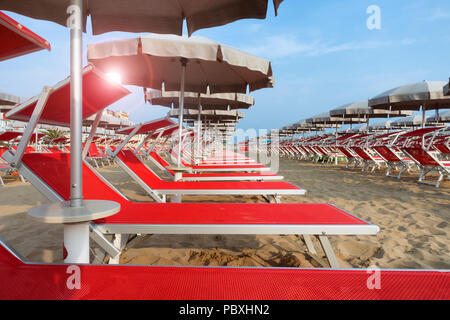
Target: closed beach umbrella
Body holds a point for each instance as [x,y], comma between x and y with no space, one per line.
[182,64]
[426,95]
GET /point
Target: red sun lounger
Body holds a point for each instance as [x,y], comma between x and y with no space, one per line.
[16,40]
[38,281]
[223,168]
[49,174]
[157,187]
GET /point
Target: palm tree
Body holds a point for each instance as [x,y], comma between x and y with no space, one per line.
[51,134]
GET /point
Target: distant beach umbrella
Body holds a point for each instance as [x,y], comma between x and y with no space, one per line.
[362,109]
[444,117]
[382,125]
[200,101]
[426,95]
[145,16]
[447,88]
[411,121]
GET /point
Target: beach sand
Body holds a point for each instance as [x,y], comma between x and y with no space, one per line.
[414,221]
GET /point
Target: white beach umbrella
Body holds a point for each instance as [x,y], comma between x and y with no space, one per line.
[411,121]
[447,88]
[426,95]
[444,117]
[182,64]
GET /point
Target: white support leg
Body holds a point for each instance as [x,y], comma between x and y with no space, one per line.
[76,242]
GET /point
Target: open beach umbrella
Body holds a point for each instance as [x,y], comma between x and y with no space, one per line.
[118,15]
[447,88]
[361,109]
[426,95]
[16,40]
[7,101]
[200,101]
[182,64]
[411,121]
[144,16]
[192,100]
[444,117]
[381,126]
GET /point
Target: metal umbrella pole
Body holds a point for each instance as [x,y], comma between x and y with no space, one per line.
[75,22]
[181,104]
[199,119]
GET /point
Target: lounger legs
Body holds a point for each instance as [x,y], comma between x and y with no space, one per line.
[326,246]
[309,244]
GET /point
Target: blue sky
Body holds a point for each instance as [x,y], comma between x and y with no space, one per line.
[322,53]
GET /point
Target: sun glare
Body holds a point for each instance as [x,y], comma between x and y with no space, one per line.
[115,77]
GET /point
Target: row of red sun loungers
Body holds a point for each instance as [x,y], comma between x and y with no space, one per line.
[49,172]
[425,149]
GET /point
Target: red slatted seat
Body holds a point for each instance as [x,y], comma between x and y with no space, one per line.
[154,182]
[49,281]
[165,164]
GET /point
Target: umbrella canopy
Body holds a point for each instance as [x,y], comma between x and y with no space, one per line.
[411,121]
[7,101]
[444,117]
[447,88]
[382,125]
[428,94]
[326,118]
[208,115]
[182,64]
[17,40]
[362,109]
[154,61]
[119,15]
[146,16]
[216,101]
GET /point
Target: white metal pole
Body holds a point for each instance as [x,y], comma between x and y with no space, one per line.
[76,104]
[181,109]
[76,242]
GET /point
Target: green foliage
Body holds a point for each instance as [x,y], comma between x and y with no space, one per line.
[51,134]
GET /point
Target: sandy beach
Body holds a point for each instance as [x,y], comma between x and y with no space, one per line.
[414,221]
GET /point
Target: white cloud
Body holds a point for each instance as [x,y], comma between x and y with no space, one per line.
[438,14]
[288,45]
